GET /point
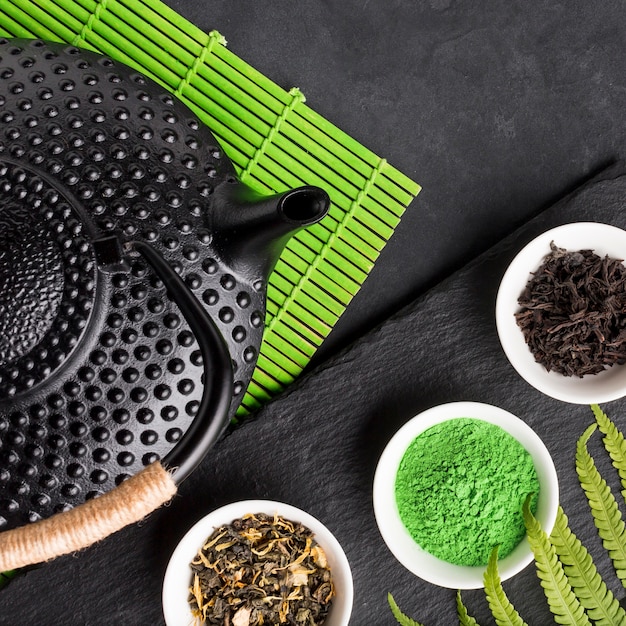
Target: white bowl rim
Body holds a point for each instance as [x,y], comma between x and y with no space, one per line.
[603,239]
[178,575]
[396,536]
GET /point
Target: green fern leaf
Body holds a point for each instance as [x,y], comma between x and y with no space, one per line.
[561,599]
[464,618]
[606,515]
[614,443]
[600,604]
[501,608]
[403,620]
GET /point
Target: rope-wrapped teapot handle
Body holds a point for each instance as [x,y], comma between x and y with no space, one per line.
[88,523]
[155,485]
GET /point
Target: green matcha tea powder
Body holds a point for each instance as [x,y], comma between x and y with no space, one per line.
[460,489]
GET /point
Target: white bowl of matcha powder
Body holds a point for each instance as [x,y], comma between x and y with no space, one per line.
[450,486]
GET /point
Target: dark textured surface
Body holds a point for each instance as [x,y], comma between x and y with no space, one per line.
[35,255]
[317,448]
[496,111]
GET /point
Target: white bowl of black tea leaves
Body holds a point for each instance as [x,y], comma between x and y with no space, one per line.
[258,562]
[561,313]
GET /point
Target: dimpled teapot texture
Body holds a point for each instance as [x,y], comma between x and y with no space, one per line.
[99,372]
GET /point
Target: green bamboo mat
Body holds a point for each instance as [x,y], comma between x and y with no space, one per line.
[274,140]
[5,578]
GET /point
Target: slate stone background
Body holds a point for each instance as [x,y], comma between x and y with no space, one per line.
[498,111]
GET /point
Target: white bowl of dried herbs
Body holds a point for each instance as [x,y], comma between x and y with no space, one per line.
[561,313]
[258,562]
[451,486]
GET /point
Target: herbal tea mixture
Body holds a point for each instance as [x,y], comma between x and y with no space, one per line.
[261,569]
[572,313]
[460,489]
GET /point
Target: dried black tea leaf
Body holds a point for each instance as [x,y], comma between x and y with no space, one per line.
[573,312]
[261,569]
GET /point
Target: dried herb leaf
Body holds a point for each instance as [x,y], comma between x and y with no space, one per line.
[261,570]
[572,312]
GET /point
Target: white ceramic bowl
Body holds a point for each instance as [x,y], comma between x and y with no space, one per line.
[591,389]
[397,537]
[178,574]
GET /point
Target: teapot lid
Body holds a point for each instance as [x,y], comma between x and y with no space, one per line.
[48,280]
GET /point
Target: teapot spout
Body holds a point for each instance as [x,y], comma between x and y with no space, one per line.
[250,230]
[304,205]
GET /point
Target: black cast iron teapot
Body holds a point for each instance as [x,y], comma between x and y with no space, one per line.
[133,268]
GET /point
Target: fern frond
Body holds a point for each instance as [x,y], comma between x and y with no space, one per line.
[465,619]
[606,515]
[614,443]
[501,608]
[601,605]
[402,619]
[561,599]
